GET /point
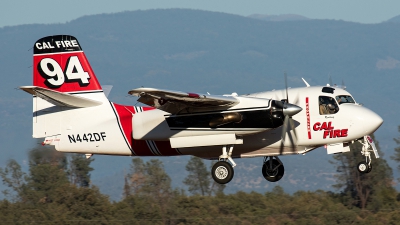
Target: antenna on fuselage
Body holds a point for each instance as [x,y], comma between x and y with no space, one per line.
[343,85]
[287,95]
[305,82]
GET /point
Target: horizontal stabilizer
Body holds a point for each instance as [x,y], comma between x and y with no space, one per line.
[59,98]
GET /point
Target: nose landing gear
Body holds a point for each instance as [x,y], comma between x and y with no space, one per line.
[368,147]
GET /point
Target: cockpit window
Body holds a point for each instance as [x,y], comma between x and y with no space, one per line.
[344,99]
[327,105]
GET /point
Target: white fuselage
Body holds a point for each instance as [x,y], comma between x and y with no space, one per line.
[352,121]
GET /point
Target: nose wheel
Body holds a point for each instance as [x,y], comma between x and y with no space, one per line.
[368,147]
[273,169]
[364,167]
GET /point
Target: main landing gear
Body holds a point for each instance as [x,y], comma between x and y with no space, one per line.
[368,147]
[272,169]
[222,171]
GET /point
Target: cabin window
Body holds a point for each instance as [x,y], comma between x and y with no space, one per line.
[327,105]
[344,99]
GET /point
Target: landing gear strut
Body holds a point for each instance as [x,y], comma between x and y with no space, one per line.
[272,169]
[222,172]
[368,147]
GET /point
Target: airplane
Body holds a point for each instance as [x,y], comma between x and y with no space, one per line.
[72,113]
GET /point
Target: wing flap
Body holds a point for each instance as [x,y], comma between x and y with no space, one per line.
[59,98]
[174,101]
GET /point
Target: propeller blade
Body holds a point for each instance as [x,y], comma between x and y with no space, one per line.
[287,95]
[293,127]
[284,129]
[281,148]
[288,123]
[293,140]
[288,110]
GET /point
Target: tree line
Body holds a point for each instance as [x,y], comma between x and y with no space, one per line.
[57,189]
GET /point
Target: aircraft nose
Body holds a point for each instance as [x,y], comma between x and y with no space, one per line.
[375,121]
[371,120]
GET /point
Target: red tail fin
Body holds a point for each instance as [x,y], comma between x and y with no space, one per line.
[61,65]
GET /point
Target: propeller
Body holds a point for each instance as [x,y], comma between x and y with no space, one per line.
[288,110]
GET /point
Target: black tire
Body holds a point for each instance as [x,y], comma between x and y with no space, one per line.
[222,172]
[363,167]
[270,174]
[369,168]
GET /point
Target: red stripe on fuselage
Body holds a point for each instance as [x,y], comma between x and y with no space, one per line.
[308,118]
[125,114]
[147,108]
[139,147]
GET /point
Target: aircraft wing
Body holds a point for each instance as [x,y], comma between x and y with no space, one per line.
[176,101]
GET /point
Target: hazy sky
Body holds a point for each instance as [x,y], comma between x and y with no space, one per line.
[16,12]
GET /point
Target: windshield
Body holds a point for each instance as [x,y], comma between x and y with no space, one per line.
[344,99]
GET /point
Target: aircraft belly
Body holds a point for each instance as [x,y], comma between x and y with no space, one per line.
[264,143]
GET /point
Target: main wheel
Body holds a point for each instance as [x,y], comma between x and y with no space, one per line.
[363,167]
[222,172]
[273,172]
[369,168]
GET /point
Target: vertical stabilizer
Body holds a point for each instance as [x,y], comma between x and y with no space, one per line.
[60,65]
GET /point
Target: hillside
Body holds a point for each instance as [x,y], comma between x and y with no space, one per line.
[200,51]
[283,17]
[395,19]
